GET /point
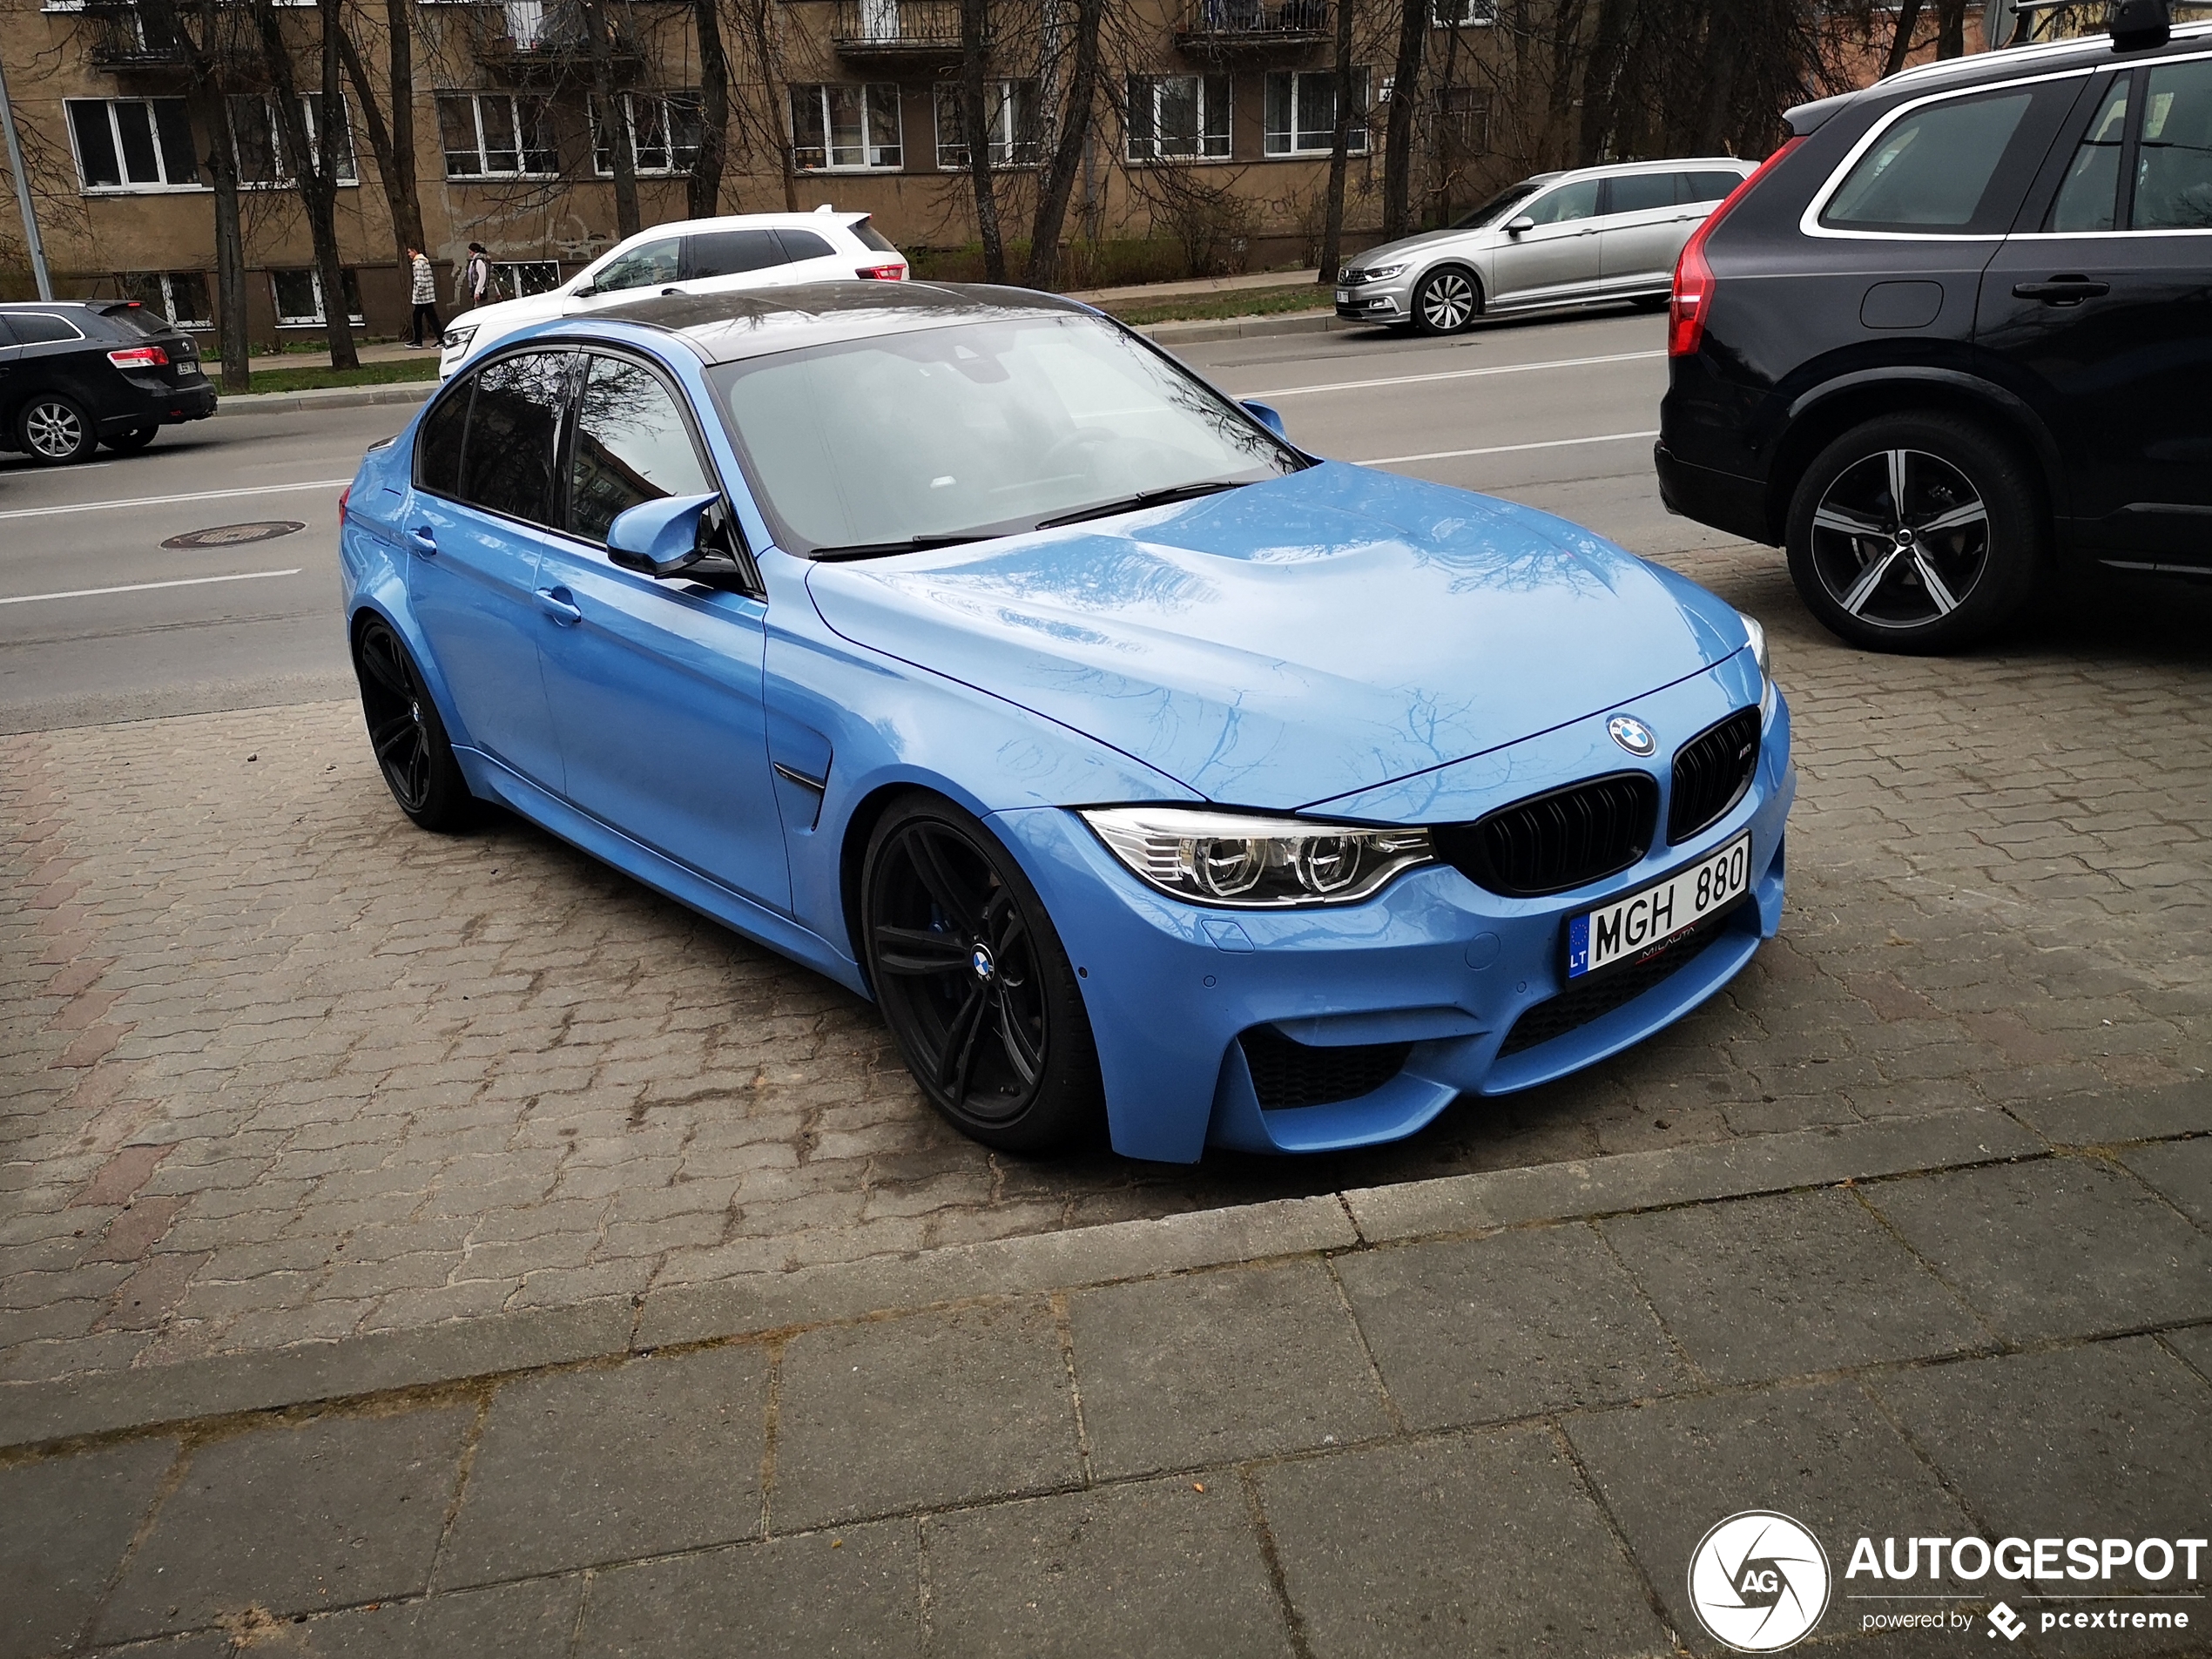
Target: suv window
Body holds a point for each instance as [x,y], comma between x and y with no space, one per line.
[507,463]
[714,253]
[654,262]
[1639,193]
[631,446]
[1931,170]
[1577,200]
[2174,158]
[2086,198]
[41,328]
[805,245]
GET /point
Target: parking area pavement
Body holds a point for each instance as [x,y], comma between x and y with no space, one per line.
[280,1069]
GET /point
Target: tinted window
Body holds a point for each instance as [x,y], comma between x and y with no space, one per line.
[2174,160]
[437,442]
[507,463]
[1574,201]
[631,445]
[1640,192]
[2086,198]
[38,328]
[1930,169]
[1709,186]
[871,237]
[805,245]
[729,253]
[654,262]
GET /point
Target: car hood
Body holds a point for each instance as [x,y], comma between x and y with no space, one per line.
[1412,247]
[1297,639]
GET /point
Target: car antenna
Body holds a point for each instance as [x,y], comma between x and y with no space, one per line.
[2138,26]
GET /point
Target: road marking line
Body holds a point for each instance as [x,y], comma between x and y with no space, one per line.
[1506,448]
[171,501]
[1461,374]
[144,587]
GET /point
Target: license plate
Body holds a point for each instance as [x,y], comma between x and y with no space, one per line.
[1344,296]
[1631,926]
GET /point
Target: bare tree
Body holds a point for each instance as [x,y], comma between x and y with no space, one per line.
[1405,92]
[704,193]
[612,112]
[1951,28]
[391,142]
[1908,18]
[768,60]
[975,119]
[311,162]
[1339,147]
[1070,147]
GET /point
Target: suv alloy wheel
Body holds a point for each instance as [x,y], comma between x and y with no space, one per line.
[54,430]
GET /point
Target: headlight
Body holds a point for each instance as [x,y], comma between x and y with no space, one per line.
[1757,638]
[1380,273]
[457,338]
[1256,863]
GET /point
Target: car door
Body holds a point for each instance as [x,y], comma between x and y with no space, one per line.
[11,379]
[1642,226]
[656,685]
[2100,313]
[1558,256]
[475,522]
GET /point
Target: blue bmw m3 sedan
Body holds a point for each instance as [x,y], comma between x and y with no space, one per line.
[964,646]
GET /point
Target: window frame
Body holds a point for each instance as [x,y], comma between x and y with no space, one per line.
[283,175]
[1474,14]
[1006,143]
[514,101]
[870,143]
[1152,84]
[661,105]
[125,186]
[164,283]
[321,318]
[1358,139]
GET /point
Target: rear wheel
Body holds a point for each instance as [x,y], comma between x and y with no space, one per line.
[1447,301]
[410,741]
[973,982]
[129,442]
[53,431]
[1915,533]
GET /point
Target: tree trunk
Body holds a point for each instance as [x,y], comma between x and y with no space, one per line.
[975,118]
[772,92]
[1339,145]
[614,117]
[704,196]
[1600,80]
[399,184]
[397,175]
[206,83]
[1722,56]
[1071,147]
[1908,19]
[1951,28]
[1404,87]
[313,168]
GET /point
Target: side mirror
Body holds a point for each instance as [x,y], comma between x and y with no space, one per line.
[672,536]
[1515,227]
[1267,417]
[585,291]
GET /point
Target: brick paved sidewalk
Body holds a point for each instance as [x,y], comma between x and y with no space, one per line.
[275,1068]
[1492,1414]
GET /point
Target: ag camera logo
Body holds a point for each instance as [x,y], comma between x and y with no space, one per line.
[1758,1581]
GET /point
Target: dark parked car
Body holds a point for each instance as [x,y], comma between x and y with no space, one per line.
[1959,329]
[74,374]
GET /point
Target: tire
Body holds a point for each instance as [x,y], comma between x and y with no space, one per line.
[1957,563]
[1447,301]
[412,750]
[125,443]
[54,430]
[974,983]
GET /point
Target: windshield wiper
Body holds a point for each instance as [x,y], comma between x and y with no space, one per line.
[877,549]
[1142,498]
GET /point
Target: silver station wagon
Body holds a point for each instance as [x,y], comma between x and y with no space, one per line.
[1558,239]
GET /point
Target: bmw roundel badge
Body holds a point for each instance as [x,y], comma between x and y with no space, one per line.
[1631,734]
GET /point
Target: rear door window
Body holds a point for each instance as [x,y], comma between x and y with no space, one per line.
[2174,157]
[1639,193]
[514,424]
[715,253]
[1956,167]
[41,328]
[1708,186]
[2089,193]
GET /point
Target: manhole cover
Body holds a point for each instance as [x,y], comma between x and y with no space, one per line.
[267,529]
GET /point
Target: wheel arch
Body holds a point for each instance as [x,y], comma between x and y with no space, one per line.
[1467,268]
[1820,416]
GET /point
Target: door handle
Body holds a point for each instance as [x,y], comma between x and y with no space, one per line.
[560,604]
[2061,290]
[421,540]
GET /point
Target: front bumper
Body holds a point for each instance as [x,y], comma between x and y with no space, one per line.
[1381,302]
[1432,963]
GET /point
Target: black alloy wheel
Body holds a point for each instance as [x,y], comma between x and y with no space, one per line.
[131,443]
[1447,301]
[1915,533]
[974,983]
[410,741]
[54,431]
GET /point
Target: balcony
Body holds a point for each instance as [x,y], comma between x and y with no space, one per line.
[544,45]
[124,37]
[1212,28]
[880,30]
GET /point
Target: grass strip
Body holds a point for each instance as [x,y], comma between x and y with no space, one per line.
[1242,302]
[393,372]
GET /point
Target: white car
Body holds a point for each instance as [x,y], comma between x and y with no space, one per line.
[692,256]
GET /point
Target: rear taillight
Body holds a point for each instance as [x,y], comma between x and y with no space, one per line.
[883,273]
[1693,299]
[139,357]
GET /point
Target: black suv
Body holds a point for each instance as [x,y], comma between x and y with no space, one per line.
[74,374]
[1959,325]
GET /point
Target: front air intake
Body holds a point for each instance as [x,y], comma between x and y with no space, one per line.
[1287,1072]
[1556,841]
[1711,772]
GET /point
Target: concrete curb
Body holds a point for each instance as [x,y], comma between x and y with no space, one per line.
[326,397]
[1198,331]
[104,1403]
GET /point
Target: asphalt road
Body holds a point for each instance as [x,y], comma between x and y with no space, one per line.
[100,622]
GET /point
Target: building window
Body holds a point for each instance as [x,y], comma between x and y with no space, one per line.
[1176,116]
[132,143]
[1462,14]
[259,139]
[835,128]
[492,135]
[1012,117]
[298,298]
[181,296]
[519,277]
[1302,113]
[1463,121]
[663,133]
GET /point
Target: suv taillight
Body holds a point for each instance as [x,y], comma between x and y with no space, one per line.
[139,357]
[883,273]
[1693,299]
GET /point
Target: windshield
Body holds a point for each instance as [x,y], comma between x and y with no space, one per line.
[981,428]
[1498,207]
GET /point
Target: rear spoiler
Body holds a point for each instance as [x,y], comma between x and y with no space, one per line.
[1808,119]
